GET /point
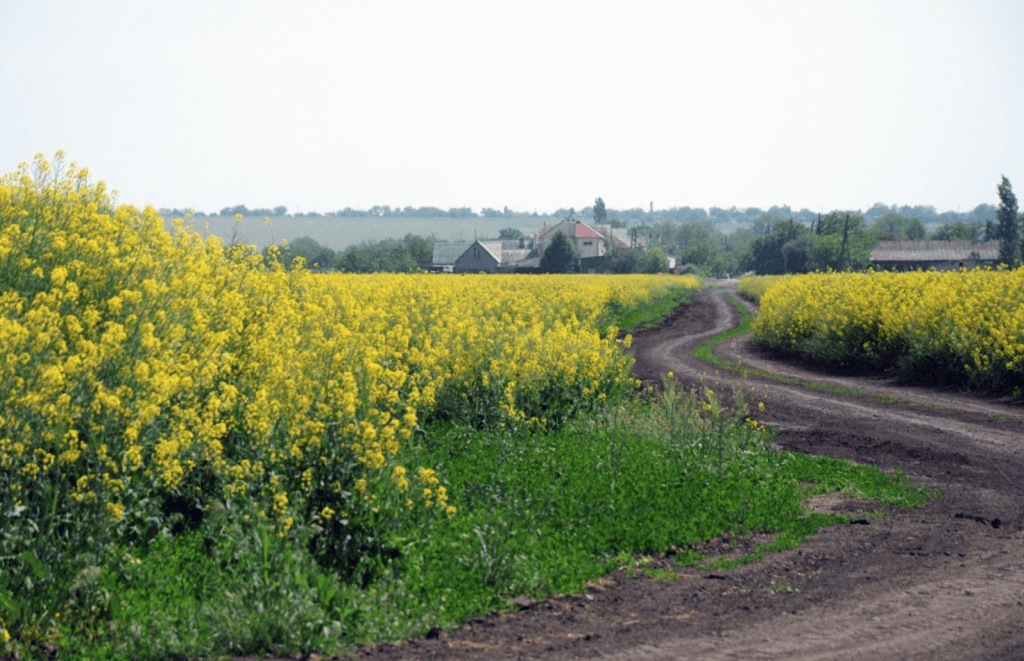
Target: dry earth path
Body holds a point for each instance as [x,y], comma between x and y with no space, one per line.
[943,582]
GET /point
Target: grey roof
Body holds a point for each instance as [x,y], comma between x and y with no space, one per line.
[447,253]
[493,247]
[514,256]
[934,251]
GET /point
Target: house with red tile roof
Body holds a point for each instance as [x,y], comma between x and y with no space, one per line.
[589,241]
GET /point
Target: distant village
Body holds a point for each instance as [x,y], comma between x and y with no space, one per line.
[594,242]
[674,240]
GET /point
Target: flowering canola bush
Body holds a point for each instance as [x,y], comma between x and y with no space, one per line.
[948,324]
[148,377]
[753,287]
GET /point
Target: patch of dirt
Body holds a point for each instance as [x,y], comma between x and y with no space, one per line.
[944,582]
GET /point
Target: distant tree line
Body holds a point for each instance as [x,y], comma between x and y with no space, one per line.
[406,255]
[241,209]
[729,219]
[839,240]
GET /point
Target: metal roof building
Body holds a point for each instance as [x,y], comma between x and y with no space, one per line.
[913,255]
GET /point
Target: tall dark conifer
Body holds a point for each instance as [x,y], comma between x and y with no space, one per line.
[1007,230]
[600,214]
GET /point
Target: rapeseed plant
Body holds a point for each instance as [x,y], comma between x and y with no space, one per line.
[148,377]
[966,324]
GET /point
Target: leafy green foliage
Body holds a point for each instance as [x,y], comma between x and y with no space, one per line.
[1007,229]
[411,253]
[314,255]
[959,231]
[561,256]
[655,261]
[712,252]
[780,246]
[842,241]
[600,214]
[894,227]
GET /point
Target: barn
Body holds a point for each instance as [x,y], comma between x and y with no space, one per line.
[938,255]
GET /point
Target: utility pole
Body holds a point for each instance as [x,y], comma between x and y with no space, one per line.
[842,251]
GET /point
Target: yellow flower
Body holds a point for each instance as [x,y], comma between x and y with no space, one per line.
[116,510]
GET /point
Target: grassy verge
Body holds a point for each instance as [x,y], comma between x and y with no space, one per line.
[646,313]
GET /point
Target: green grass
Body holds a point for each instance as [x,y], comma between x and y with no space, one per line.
[647,313]
[705,351]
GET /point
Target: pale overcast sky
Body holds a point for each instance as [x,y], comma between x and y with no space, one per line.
[534,105]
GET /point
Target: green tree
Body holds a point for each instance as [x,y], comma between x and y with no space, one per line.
[561,256]
[239,209]
[387,256]
[780,245]
[698,243]
[655,261]
[627,260]
[959,231]
[1007,230]
[315,255]
[510,234]
[421,250]
[600,215]
[892,226]
[843,241]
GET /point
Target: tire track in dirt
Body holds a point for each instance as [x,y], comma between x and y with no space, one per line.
[675,355]
[932,611]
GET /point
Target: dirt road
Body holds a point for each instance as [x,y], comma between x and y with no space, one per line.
[946,582]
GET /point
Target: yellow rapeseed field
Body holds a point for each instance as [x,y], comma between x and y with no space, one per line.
[966,322]
[144,373]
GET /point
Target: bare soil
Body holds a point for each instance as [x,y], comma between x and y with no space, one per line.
[942,582]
